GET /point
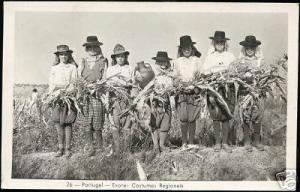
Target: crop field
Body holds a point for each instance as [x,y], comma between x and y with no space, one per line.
[34,142]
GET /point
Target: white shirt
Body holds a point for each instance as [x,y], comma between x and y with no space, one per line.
[62,75]
[162,81]
[125,71]
[186,67]
[216,62]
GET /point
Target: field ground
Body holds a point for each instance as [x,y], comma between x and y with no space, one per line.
[175,165]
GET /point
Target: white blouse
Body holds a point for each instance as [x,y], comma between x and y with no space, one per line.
[161,81]
[186,67]
[216,62]
[125,71]
[62,75]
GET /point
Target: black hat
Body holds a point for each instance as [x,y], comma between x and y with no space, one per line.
[62,49]
[186,41]
[161,56]
[92,40]
[219,36]
[250,41]
[119,49]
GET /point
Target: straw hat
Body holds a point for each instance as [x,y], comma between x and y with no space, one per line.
[63,49]
[118,50]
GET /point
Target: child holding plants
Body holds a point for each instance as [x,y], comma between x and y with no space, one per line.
[93,69]
[251,56]
[161,114]
[186,64]
[218,60]
[121,75]
[63,72]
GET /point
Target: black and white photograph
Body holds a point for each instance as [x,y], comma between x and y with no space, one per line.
[165,96]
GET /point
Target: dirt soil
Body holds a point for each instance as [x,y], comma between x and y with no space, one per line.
[195,164]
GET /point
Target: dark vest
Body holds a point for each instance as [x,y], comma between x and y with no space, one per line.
[96,72]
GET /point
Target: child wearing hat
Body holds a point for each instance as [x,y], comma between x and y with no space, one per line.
[63,72]
[251,53]
[218,60]
[251,56]
[92,69]
[161,113]
[186,64]
[123,80]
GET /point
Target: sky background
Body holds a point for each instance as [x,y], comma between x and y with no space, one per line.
[143,34]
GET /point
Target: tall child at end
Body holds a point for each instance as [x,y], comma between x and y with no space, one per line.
[251,56]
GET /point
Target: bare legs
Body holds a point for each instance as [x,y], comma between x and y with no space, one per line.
[64,137]
[221,136]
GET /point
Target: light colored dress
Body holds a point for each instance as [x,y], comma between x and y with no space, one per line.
[186,103]
[62,75]
[161,81]
[161,115]
[124,74]
[117,105]
[185,68]
[217,62]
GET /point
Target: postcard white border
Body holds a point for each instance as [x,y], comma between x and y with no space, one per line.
[10,8]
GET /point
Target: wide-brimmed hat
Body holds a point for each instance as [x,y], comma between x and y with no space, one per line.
[119,49]
[92,41]
[161,56]
[63,49]
[186,40]
[250,41]
[219,36]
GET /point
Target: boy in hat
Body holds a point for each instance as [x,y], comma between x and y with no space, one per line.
[92,69]
[124,79]
[218,60]
[63,72]
[252,58]
[161,114]
[185,66]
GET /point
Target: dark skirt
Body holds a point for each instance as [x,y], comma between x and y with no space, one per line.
[253,113]
[217,113]
[116,108]
[188,107]
[62,115]
[161,116]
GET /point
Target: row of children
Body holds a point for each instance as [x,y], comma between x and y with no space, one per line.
[95,67]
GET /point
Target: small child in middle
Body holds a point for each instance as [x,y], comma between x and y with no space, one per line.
[161,114]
